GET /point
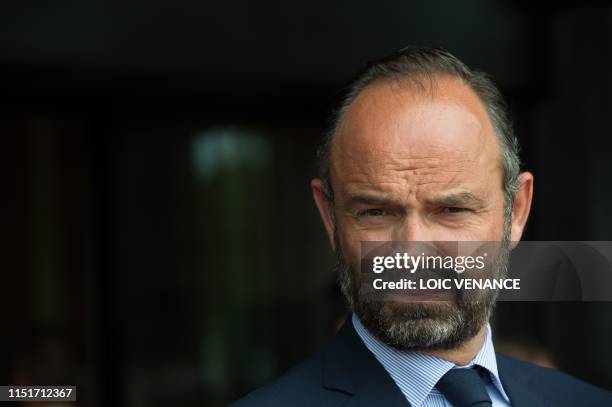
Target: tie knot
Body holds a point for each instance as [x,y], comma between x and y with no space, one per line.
[464,387]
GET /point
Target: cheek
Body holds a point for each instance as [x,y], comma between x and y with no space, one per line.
[350,237]
[350,245]
[352,233]
[492,227]
[488,230]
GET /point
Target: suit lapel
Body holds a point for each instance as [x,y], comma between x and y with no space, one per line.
[349,367]
[516,385]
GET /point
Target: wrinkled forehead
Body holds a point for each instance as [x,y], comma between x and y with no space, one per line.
[390,127]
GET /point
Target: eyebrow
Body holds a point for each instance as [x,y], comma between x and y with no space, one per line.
[370,199]
[452,199]
[455,199]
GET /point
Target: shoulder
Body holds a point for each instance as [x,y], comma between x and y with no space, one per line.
[326,378]
[300,386]
[553,385]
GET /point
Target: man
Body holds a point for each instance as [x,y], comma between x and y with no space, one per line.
[420,149]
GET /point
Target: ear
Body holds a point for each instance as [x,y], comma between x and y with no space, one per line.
[325,208]
[522,206]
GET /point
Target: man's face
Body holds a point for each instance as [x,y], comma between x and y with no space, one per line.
[415,165]
[407,165]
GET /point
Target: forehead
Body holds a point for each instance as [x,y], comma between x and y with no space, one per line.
[394,129]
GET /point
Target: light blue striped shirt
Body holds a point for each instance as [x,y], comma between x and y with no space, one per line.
[416,374]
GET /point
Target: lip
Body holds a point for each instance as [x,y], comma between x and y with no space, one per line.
[420,296]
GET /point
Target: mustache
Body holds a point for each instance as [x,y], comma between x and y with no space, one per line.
[357,286]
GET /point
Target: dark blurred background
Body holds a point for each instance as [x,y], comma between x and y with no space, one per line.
[160,242]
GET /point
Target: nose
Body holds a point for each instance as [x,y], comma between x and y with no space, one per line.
[414,229]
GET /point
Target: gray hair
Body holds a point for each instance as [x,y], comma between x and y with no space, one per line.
[415,64]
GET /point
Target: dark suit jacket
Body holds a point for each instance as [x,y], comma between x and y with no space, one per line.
[347,374]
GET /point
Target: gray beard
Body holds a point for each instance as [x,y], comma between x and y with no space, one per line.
[423,325]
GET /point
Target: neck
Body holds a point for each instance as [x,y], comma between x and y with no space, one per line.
[463,354]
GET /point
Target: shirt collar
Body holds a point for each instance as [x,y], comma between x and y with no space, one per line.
[416,374]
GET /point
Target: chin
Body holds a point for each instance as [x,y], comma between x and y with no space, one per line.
[421,325]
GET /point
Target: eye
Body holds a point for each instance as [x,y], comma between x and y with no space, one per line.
[374,212]
[454,209]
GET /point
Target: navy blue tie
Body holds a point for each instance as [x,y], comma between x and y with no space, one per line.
[464,388]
